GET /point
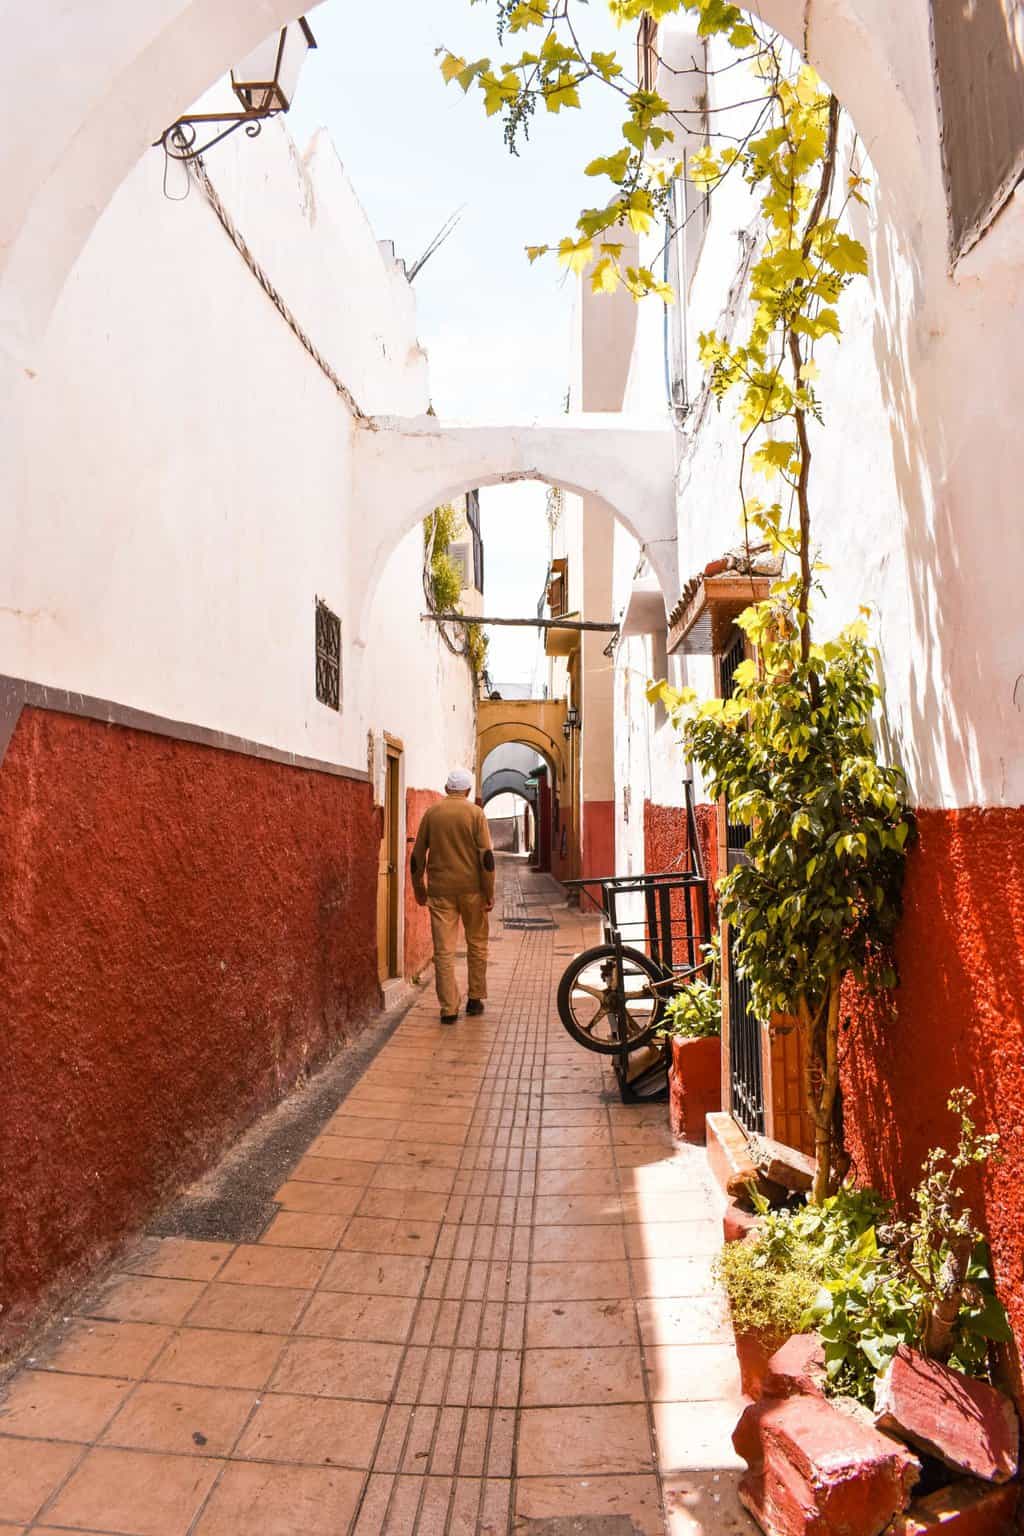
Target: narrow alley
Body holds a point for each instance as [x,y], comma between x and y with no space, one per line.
[484,1304]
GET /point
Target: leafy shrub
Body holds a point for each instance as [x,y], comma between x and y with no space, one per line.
[695,1012]
[868,1283]
[765,1300]
[477,644]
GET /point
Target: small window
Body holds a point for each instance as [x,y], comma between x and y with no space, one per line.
[328,656]
[460,556]
[558,588]
[979,63]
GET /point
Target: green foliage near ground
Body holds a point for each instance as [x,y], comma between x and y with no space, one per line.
[695,1011]
[868,1283]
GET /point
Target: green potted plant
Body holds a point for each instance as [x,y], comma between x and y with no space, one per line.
[693,1025]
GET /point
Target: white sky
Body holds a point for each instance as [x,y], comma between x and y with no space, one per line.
[495,328]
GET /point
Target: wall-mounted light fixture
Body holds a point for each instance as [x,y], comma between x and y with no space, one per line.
[264,84]
[573,718]
[566,729]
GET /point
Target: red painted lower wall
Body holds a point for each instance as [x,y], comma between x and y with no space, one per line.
[183,932]
[599,837]
[419,946]
[957,1018]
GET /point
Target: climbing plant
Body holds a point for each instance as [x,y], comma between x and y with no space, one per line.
[819,896]
[442,584]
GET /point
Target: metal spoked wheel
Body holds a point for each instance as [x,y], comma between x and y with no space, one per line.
[607,1010]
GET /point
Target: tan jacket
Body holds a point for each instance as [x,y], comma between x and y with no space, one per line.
[452,855]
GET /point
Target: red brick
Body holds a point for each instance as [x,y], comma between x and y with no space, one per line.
[967,1508]
[814,1472]
[798,1367]
[967,1424]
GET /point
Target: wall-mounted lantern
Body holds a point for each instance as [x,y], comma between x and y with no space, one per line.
[572,718]
[264,84]
[566,729]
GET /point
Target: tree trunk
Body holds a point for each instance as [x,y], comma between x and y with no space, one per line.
[820,1037]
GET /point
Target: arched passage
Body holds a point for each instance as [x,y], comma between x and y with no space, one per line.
[404,467]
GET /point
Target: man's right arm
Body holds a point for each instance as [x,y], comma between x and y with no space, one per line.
[485,854]
[418,862]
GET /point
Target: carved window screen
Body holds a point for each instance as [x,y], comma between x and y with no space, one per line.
[978,50]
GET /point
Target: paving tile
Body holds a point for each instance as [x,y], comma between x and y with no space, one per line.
[684,1320]
[248,1308]
[108,1349]
[579,1282]
[672,1239]
[30,1471]
[706,1504]
[378,1127]
[380,1273]
[177,1258]
[580,1440]
[577,1245]
[303,1229]
[49,1406]
[403,1204]
[342,1315]
[146,1299]
[257,1264]
[135,1492]
[634,1498]
[380,1234]
[577,1181]
[580,1324]
[281,1501]
[189,1421]
[589,1375]
[697,1436]
[338,1368]
[673,1277]
[427,1177]
[314,1431]
[693,1373]
[332,1170]
[373,1510]
[577,1210]
[319,1199]
[211,1357]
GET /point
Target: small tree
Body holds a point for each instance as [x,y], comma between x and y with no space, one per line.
[818,897]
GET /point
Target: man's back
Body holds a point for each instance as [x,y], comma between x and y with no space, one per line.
[453,849]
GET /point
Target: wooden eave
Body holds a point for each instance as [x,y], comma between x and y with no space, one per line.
[702,629]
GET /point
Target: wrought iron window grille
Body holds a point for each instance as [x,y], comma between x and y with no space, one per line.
[328,656]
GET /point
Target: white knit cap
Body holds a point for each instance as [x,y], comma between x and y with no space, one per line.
[458,781]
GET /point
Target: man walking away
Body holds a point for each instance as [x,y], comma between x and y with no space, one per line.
[452,871]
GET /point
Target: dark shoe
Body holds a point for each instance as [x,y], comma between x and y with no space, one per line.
[450,1018]
[474,1006]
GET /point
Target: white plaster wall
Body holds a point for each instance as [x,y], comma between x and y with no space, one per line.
[916,477]
[187,470]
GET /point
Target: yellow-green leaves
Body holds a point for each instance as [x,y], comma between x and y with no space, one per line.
[773,456]
[529,13]
[575,254]
[498,92]
[562,93]
[613,166]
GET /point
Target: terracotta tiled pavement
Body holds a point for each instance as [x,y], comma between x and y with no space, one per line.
[485,1303]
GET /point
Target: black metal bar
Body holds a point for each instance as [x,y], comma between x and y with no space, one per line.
[664,893]
[653,943]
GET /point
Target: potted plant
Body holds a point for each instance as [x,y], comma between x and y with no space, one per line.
[693,1025]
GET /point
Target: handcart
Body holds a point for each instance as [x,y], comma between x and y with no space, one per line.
[612,998]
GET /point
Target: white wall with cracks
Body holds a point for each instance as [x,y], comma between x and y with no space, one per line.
[188,468]
[916,474]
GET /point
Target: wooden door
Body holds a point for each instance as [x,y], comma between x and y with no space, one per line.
[389,872]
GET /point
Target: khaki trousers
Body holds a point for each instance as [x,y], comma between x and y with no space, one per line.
[446,912]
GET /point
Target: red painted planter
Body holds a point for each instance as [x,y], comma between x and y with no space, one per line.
[695,1085]
[753,1354]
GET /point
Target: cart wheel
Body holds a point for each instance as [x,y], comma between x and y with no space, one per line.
[604,1012]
